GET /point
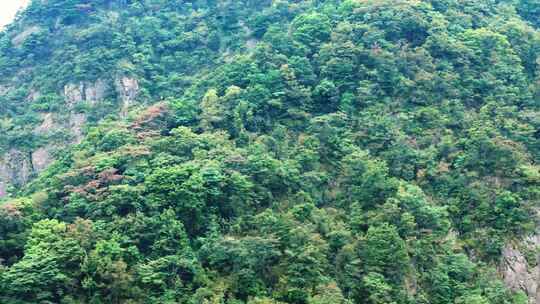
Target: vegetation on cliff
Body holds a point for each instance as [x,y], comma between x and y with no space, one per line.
[307,152]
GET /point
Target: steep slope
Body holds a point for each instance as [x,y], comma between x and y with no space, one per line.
[66,64]
[271,152]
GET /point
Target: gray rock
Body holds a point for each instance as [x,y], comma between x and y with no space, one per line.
[15,168]
[73,93]
[47,124]
[91,92]
[76,124]
[128,90]
[520,274]
[41,159]
[94,92]
[21,37]
[3,189]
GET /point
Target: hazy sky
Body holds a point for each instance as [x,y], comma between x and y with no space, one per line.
[8,9]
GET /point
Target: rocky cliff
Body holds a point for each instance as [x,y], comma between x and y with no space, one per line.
[520,266]
[285,151]
[18,167]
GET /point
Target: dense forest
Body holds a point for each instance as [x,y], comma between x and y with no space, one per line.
[270,152]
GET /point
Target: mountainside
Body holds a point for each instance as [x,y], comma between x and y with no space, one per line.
[309,152]
[68,63]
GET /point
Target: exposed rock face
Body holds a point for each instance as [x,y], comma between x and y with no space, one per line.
[15,169]
[73,93]
[76,124]
[96,91]
[520,273]
[20,38]
[85,91]
[3,188]
[128,90]
[46,125]
[18,167]
[41,159]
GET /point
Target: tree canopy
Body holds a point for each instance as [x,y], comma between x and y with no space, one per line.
[301,152]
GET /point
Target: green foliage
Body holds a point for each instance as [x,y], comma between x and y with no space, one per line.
[384,252]
[311,30]
[302,152]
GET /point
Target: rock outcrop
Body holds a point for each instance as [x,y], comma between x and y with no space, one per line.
[95,92]
[76,124]
[3,188]
[21,37]
[41,159]
[91,92]
[520,267]
[128,90]
[47,124]
[73,93]
[15,169]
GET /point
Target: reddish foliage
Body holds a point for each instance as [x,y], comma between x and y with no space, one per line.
[147,134]
[95,188]
[11,210]
[155,117]
[109,176]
